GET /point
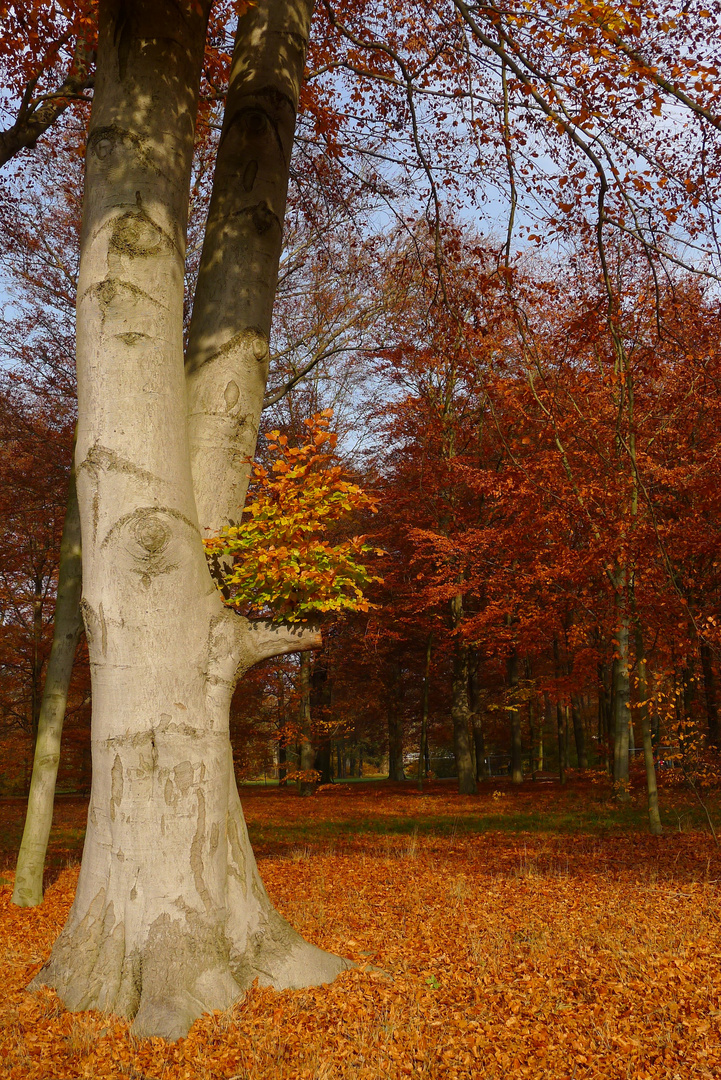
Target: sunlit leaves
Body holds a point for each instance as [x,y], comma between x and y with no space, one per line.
[283,560]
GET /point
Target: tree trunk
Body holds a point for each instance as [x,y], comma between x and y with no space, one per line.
[460,711]
[709,685]
[170,917]
[322,763]
[654,817]
[561,726]
[622,698]
[395,727]
[37,663]
[532,735]
[474,700]
[306,783]
[578,733]
[67,628]
[515,715]
[424,713]
[560,719]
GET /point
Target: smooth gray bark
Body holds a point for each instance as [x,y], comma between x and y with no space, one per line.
[68,624]
[170,917]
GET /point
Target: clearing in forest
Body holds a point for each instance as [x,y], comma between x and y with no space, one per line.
[532,933]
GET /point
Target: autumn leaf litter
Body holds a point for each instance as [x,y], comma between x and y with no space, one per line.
[478,955]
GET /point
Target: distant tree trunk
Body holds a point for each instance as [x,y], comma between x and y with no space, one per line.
[709,685]
[561,725]
[539,759]
[282,748]
[306,785]
[460,710]
[322,762]
[578,733]
[560,720]
[395,727]
[622,696]
[654,818]
[688,674]
[532,735]
[67,629]
[515,714]
[474,701]
[424,714]
[602,728]
[37,662]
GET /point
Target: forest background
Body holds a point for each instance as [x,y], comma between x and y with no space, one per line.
[500,274]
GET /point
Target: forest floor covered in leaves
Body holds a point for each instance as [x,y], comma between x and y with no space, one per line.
[535,933]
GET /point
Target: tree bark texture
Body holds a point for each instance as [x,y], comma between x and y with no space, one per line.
[170,917]
[67,628]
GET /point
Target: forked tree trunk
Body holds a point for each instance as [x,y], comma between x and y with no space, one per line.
[67,628]
[170,917]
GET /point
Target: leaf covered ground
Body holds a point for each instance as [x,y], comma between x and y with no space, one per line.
[487,946]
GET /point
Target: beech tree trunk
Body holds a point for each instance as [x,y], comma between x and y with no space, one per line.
[460,710]
[424,713]
[67,628]
[622,699]
[395,727]
[579,734]
[474,699]
[654,817]
[170,917]
[306,786]
[709,685]
[515,714]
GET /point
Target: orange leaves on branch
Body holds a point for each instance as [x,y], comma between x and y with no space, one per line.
[284,562]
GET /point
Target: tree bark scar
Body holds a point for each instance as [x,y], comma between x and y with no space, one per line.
[116,786]
[196,855]
[249,174]
[122,38]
